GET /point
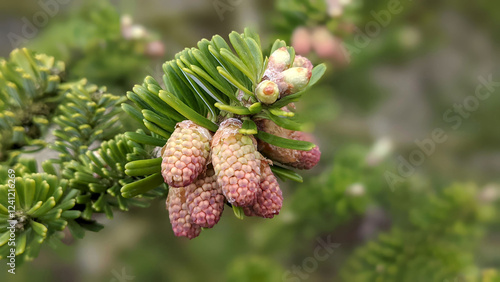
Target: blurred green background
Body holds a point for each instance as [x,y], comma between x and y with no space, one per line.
[391,211]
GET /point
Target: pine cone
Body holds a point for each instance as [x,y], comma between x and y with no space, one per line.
[294,158]
[185,154]
[205,200]
[179,215]
[269,198]
[236,163]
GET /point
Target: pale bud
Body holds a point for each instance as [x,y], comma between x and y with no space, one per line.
[301,40]
[379,151]
[335,8]
[138,32]
[356,190]
[267,92]
[324,43]
[279,60]
[490,193]
[155,49]
[126,26]
[293,80]
[126,21]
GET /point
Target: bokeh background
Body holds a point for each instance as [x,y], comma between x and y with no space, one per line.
[397,72]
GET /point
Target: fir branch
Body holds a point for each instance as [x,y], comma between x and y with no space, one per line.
[210,83]
[87,115]
[28,91]
[436,246]
[42,209]
[100,174]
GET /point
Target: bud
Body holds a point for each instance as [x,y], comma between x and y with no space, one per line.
[294,158]
[356,190]
[236,163]
[126,26]
[302,62]
[185,154]
[324,43]
[155,49]
[293,80]
[490,193]
[205,200]
[179,215]
[278,62]
[126,20]
[138,32]
[301,40]
[269,198]
[267,92]
[379,151]
[335,8]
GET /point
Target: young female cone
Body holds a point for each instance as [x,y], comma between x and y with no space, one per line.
[185,154]
[205,199]
[236,163]
[294,158]
[269,198]
[179,215]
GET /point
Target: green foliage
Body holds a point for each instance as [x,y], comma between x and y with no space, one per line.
[314,13]
[248,269]
[490,275]
[87,176]
[91,43]
[335,197]
[100,174]
[42,209]
[436,246]
[88,114]
[28,92]
[433,233]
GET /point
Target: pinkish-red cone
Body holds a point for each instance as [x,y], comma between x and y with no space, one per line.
[236,163]
[294,158]
[185,154]
[305,159]
[205,200]
[269,198]
[179,215]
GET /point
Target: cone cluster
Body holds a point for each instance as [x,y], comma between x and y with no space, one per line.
[206,170]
